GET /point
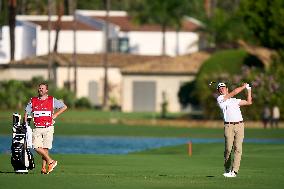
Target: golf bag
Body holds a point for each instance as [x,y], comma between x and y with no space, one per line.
[22,158]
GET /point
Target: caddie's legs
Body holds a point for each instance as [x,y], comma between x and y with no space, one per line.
[45,156]
[44,163]
[239,137]
[229,138]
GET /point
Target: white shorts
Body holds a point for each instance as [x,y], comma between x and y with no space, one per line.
[43,137]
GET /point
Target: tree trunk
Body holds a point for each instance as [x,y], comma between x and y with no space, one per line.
[74,57]
[105,57]
[70,4]
[163,40]
[60,11]
[177,42]
[50,61]
[12,24]
[23,7]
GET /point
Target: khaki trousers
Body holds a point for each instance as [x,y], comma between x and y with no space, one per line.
[234,136]
[43,137]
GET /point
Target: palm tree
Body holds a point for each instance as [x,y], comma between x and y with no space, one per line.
[223,26]
[60,12]
[3,14]
[166,13]
[50,75]
[12,4]
[74,57]
[105,56]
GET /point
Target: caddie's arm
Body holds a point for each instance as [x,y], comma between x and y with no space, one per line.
[235,91]
[60,111]
[28,111]
[249,98]
[25,117]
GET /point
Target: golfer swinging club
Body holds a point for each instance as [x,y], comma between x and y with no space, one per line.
[42,108]
[233,125]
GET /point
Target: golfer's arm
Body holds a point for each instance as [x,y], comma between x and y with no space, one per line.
[234,92]
[248,101]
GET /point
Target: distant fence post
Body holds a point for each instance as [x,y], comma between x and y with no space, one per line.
[190,148]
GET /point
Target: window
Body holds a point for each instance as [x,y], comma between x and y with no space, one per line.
[123,45]
[119,45]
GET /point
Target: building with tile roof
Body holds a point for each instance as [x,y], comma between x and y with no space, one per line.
[90,72]
[147,86]
[125,36]
[136,83]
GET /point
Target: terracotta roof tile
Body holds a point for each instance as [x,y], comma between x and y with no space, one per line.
[65,25]
[187,64]
[86,60]
[126,24]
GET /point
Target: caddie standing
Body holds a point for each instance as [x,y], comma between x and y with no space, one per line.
[233,125]
[42,107]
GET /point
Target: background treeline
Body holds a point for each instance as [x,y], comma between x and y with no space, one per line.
[258,23]
[16,94]
[224,22]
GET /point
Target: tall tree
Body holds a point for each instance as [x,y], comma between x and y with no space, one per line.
[105,56]
[3,13]
[12,4]
[74,56]
[60,12]
[222,26]
[50,58]
[265,18]
[166,13]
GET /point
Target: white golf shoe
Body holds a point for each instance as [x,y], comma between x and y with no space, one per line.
[230,174]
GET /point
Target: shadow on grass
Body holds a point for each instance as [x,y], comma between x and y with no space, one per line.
[7,172]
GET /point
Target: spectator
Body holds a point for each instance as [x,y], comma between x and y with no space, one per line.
[275,116]
[266,115]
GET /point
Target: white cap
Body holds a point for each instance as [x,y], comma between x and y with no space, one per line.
[221,85]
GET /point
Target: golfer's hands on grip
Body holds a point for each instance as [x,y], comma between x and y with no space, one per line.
[247,86]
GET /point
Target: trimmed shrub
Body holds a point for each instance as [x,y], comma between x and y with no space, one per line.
[83,103]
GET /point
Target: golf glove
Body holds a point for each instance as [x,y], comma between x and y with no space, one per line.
[248,87]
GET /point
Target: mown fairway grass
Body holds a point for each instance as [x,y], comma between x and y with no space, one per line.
[262,167]
[169,167]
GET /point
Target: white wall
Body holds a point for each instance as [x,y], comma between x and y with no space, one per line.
[168,84]
[150,43]
[88,74]
[29,40]
[87,41]
[22,73]
[5,44]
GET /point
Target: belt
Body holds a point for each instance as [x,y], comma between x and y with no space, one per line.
[234,123]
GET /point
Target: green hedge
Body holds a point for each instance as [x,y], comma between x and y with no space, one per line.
[16,94]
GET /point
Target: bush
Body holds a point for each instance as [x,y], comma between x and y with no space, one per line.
[16,94]
[82,103]
[186,94]
[235,67]
[67,96]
